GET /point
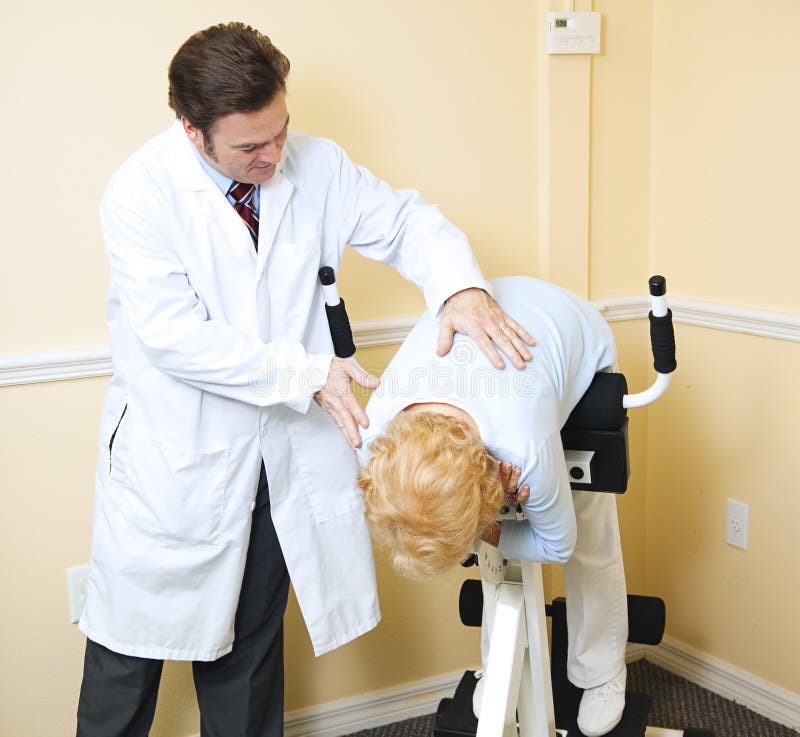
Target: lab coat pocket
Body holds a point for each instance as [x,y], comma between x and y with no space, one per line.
[173,493]
[292,276]
[325,466]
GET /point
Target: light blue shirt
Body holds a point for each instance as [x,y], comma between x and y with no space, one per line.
[224,183]
[519,413]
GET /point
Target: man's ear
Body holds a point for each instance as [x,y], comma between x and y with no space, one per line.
[195,136]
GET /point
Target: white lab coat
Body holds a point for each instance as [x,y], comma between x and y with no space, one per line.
[217,352]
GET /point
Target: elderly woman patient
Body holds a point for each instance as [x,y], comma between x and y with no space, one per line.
[439,429]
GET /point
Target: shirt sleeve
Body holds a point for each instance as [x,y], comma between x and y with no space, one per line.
[399,228]
[548,532]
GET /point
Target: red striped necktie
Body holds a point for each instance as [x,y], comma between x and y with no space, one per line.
[243,196]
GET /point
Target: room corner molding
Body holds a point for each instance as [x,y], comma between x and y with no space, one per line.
[81,363]
[711,315]
[735,319]
[386,331]
[34,368]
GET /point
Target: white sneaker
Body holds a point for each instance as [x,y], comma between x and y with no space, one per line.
[602,706]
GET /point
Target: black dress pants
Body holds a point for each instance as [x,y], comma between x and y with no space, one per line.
[240,694]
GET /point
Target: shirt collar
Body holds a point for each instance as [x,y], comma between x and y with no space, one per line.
[223,182]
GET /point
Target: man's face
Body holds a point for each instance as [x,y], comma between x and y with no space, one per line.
[245,146]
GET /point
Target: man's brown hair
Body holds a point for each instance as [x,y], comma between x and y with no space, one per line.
[227,68]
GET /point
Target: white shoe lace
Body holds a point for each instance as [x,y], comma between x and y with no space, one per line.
[606,691]
[593,716]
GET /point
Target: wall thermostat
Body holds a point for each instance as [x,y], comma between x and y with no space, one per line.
[573,33]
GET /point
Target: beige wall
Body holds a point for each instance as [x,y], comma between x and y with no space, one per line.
[688,152]
[424,94]
[728,430]
[724,150]
[723,216]
[47,455]
[620,150]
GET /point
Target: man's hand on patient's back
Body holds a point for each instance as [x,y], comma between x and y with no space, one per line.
[474,313]
[337,397]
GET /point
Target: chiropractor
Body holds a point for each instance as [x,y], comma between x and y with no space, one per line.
[219,479]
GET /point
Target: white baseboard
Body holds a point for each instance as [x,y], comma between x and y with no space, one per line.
[635,652]
[376,709]
[371,710]
[724,679]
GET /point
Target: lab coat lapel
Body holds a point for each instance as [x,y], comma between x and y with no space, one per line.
[188,172]
[191,176]
[275,195]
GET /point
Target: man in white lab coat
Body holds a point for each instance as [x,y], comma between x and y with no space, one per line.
[219,479]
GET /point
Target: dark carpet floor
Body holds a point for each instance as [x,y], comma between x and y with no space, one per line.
[677,704]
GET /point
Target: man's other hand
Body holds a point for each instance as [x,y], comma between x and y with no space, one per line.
[474,313]
[337,397]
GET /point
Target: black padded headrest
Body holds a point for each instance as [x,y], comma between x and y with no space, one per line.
[600,408]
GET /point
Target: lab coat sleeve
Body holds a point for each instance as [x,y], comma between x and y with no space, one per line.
[172,325]
[399,228]
[548,532]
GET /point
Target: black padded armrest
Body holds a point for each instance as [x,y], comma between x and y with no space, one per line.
[600,408]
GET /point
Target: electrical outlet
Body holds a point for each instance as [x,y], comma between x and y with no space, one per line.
[736,529]
[76,585]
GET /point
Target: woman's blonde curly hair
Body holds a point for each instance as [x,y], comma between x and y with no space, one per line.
[431,488]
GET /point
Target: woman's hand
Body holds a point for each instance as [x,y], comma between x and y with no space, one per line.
[509,478]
